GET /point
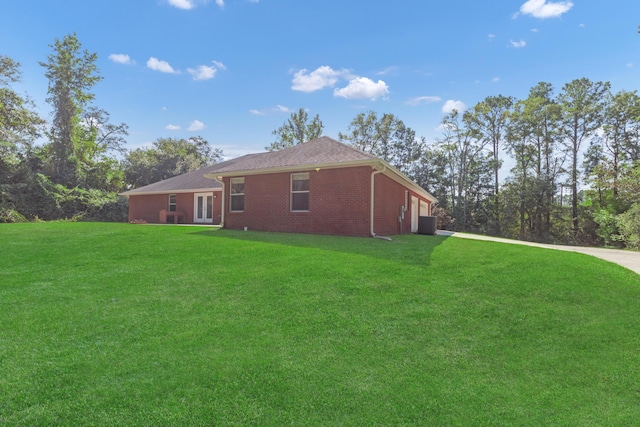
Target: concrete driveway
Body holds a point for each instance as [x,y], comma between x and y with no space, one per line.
[628,259]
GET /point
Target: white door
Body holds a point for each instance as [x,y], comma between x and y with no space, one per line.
[414,214]
[203,208]
[424,208]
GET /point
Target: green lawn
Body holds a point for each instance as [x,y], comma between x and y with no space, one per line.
[116,324]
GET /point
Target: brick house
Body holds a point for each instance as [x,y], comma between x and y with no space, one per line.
[322,187]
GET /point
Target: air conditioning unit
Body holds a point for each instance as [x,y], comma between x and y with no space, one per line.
[427,225]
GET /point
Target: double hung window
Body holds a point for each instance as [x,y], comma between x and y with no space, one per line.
[236,194]
[300,192]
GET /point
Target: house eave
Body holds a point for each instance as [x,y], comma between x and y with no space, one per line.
[377,164]
[292,168]
[151,193]
[400,178]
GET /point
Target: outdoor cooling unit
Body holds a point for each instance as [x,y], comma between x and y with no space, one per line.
[427,225]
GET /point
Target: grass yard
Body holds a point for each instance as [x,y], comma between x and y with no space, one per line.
[115,324]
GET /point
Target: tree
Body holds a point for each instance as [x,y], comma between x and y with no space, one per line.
[466,170]
[583,103]
[296,130]
[166,158]
[520,137]
[531,139]
[72,73]
[18,122]
[487,121]
[386,137]
[621,127]
[19,127]
[430,173]
[364,133]
[95,166]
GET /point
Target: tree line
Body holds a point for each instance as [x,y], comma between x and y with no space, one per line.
[575,154]
[75,166]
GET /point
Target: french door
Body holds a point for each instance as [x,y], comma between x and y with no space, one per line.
[203,208]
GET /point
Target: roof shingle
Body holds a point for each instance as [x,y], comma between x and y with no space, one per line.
[319,151]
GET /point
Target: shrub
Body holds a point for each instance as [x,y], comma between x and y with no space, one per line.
[607,227]
[629,226]
[8,215]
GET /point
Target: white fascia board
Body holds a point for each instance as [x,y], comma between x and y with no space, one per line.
[295,168]
[400,178]
[150,193]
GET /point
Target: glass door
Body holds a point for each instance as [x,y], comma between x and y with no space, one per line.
[203,208]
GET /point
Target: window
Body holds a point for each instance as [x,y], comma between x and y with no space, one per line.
[236,194]
[300,192]
[172,202]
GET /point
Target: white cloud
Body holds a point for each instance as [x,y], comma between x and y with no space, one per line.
[517,45]
[282,109]
[495,79]
[162,66]
[203,72]
[172,127]
[451,105]
[276,109]
[220,3]
[491,37]
[321,77]
[363,87]
[182,4]
[219,65]
[545,9]
[195,125]
[120,58]
[206,72]
[325,76]
[419,100]
[630,65]
[388,70]
[535,30]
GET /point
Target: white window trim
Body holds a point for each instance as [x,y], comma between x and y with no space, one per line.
[231,193]
[174,204]
[292,192]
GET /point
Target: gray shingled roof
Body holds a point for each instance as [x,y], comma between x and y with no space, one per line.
[319,151]
[193,180]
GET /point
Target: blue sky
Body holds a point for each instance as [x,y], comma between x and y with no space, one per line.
[232,71]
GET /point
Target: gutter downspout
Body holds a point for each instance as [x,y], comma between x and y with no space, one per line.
[221,181]
[373,175]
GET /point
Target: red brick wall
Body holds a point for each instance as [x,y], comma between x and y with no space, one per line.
[338,203]
[148,207]
[389,197]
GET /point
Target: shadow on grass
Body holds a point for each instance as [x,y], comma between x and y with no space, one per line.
[413,249]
